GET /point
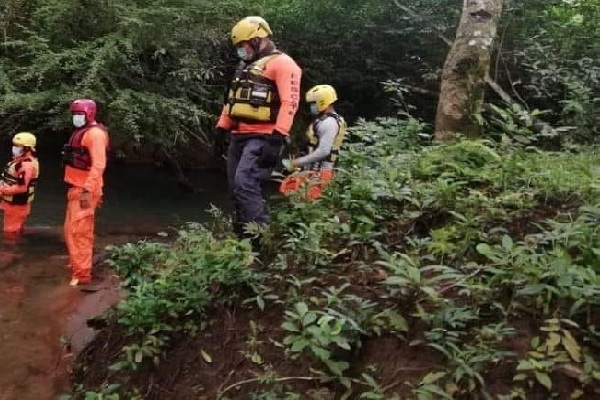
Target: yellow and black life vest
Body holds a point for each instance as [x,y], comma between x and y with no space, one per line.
[313,138]
[12,175]
[253,97]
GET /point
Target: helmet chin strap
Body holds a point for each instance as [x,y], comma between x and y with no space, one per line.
[258,53]
[255,45]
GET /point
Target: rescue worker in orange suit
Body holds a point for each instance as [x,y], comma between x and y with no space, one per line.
[17,185]
[262,100]
[325,136]
[84,157]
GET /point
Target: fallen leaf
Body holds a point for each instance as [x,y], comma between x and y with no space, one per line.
[205,356]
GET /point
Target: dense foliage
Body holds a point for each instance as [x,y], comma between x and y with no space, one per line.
[158,68]
[483,254]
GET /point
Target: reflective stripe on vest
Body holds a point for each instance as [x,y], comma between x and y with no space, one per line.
[12,176]
[252,96]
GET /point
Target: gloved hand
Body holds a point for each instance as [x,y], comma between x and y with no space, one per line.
[271,151]
[221,142]
[288,164]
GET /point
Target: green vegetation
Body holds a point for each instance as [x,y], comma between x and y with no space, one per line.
[465,270]
[485,253]
[158,68]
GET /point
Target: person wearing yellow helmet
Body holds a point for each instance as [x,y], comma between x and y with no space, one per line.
[325,136]
[257,116]
[17,185]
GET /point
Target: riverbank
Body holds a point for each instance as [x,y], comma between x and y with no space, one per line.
[43,320]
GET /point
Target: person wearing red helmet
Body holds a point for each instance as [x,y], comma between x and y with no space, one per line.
[84,158]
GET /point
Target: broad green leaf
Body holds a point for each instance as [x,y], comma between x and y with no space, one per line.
[321,353]
[432,377]
[337,367]
[396,280]
[309,318]
[552,341]
[260,303]
[290,339]
[397,321]
[543,379]
[531,290]
[507,242]
[484,249]
[571,345]
[342,342]
[290,326]
[301,308]
[519,377]
[524,366]
[551,328]
[299,345]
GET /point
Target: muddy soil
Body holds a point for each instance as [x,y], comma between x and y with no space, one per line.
[43,319]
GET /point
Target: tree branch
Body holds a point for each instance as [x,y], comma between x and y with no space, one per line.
[420,90]
[538,125]
[417,16]
[179,174]
[498,89]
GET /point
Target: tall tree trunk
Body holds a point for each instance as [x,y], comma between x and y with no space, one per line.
[466,68]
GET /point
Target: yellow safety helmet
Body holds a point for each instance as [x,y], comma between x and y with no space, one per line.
[249,28]
[322,95]
[24,139]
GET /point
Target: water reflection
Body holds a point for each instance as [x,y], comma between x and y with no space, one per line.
[39,312]
[134,194]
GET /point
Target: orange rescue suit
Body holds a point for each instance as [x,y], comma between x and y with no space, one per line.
[17,188]
[79,220]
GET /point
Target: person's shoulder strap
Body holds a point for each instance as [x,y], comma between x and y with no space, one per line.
[261,62]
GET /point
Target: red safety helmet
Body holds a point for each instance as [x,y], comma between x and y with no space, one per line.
[84,106]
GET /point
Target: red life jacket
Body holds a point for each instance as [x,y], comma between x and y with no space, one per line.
[74,154]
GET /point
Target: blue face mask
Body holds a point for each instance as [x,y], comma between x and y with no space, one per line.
[313,109]
[243,54]
[17,151]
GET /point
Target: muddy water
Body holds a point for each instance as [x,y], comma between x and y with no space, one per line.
[42,319]
[34,304]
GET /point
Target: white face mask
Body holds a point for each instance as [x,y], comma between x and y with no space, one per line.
[78,120]
[243,54]
[17,151]
[313,109]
